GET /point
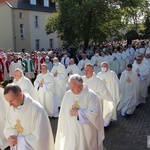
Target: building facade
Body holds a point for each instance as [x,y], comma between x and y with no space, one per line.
[22,26]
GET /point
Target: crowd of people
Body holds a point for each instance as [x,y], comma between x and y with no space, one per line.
[83,89]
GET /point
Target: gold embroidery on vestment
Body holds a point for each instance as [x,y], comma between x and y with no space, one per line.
[42,81]
[128,80]
[137,70]
[104,80]
[75,105]
[18,127]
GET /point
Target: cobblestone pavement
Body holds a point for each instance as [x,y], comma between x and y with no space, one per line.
[127,133]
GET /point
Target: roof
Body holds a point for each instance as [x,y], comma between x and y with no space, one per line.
[25,5]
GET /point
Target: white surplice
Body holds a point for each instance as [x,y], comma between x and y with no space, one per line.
[60,81]
[146,61]
[112,83]
[47,92]
[34,126]
[87,133]
[115,62]
[143,70]
[27,87]
[13,66]
[128,82]
[81,65]
[73,68]
[96,61]
[3,140]
[105,99]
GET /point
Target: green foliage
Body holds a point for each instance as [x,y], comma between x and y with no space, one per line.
[147,28]
[79,21]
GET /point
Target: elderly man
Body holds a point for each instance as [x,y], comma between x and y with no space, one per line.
[97,85]
[96,60]
[81,111]
[82,63]
[29,67]
[3,107]
[27,126]
[60,76]
[13,65]
[72,68]
[112,83]
[25,84]
[142,72]
[48,63]
[38,61]
[45,85]
[128,82]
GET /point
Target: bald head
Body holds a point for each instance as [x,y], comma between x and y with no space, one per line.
[18,73]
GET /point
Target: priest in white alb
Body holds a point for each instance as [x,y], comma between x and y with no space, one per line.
[60,77]
[45,85]
[82,63]
[3,106]
[72,68]
[97,85]
[96,60]
[80,125]
[142,72]
[27,125]
[13,65]
[25,84]
[112,83]
[128,82]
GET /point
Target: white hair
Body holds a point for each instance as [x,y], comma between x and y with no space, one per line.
[75,78]
[19,70]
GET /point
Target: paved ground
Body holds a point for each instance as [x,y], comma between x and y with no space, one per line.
[126,133]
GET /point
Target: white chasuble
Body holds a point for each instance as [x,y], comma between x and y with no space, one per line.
[128,82]
[3,140]
[112,83]
[87,133]
[31,125]
[105,99]
[46,93]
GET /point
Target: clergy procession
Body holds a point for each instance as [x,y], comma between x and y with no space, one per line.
[83,89]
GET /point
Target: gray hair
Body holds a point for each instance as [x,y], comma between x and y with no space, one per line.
[89,64]
[19,70]
[75,78]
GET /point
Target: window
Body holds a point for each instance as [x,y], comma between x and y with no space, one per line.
[46,3]
[37,44]
[33,2]
[22,35]
[51,43]
[21,15]
[36,21]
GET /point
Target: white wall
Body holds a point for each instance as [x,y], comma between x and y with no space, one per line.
[39,33]
[6,28]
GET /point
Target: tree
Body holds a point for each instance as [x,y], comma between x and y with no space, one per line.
[84,20]
[147,28]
